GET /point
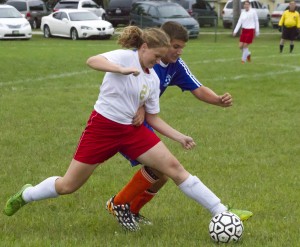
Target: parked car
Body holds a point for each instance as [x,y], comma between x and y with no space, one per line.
[81,4]
[262,11]
[201,10]
[12,24]
[118,11]
[155,13]
[277,13]
[76,24]
[33,10]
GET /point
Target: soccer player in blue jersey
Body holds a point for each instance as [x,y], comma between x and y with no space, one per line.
[172,71]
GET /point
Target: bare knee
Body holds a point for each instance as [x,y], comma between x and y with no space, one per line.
[63,188]
[176,171]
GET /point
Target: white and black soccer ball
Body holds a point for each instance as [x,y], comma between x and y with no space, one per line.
[226,227]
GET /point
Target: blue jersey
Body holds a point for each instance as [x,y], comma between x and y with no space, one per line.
[176,74]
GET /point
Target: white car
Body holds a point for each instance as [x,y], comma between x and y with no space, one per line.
[89,5]
[12,24]
[262,11]
[76,24]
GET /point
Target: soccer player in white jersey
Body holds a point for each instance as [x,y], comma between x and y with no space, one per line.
[129,83]
[248,20]
[172,71]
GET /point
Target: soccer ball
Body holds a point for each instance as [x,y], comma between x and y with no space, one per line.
[226,227]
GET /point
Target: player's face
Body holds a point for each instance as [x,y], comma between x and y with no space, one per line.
[174,51]
[246,6]
[151,56]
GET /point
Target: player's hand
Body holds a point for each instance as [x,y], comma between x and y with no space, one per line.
[139,117]
[187,142]
[225,100]
[128,71]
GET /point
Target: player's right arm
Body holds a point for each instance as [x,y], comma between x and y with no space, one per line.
[207,95]
[101,63]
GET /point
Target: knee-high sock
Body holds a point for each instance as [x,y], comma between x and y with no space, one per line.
[196,190]
[43,190]
[245,54]
[140,200]
[140,182]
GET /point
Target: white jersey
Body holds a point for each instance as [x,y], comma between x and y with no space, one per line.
[248,20]
[121,95]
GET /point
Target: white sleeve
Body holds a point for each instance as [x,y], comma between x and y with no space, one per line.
[256,23]
[238,25]
[117,56]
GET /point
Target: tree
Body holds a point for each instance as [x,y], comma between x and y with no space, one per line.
[236,7]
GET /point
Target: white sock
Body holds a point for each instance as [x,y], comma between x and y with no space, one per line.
[245,54]
[195,189]
[43,190]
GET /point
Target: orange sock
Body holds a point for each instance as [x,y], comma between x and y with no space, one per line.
[140,200]
[140,182]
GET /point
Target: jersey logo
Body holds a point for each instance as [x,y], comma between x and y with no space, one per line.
[144,92]
[168,79]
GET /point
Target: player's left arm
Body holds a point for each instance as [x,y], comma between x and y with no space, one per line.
[207,95]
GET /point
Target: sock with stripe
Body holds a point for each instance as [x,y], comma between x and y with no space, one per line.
[140,182]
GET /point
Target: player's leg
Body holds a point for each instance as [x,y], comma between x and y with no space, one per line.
[143,198]
[161,159]
[52,187]
[246,54]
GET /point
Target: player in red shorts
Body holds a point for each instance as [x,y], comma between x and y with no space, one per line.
[129,82]
[250,28]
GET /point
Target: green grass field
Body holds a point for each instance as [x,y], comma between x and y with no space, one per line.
[247,154]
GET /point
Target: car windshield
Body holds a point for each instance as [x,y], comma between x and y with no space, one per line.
[9,13]
[169,11]
[21,6]
[91,5]
[68,5]
[119,4]
[83,16]
[282,7]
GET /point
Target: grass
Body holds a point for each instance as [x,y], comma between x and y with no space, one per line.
[247,154]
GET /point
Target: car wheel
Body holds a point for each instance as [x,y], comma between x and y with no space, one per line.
[47,33]
[266,23]
[226,25]
[74,34]
[34,24]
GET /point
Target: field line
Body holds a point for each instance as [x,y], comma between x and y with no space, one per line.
[44,78]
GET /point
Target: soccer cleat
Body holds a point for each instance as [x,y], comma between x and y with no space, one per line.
[15,202]
[249,57]
[243,62]
[242,214]
[122,214]
[141,219]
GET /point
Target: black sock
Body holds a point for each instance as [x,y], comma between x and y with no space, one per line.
[291,48]
[281,48]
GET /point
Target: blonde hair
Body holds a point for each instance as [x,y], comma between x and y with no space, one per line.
[134,37]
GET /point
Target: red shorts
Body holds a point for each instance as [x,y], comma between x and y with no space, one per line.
[103,138]
[247,35]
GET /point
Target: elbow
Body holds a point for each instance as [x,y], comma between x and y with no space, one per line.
[90,61]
